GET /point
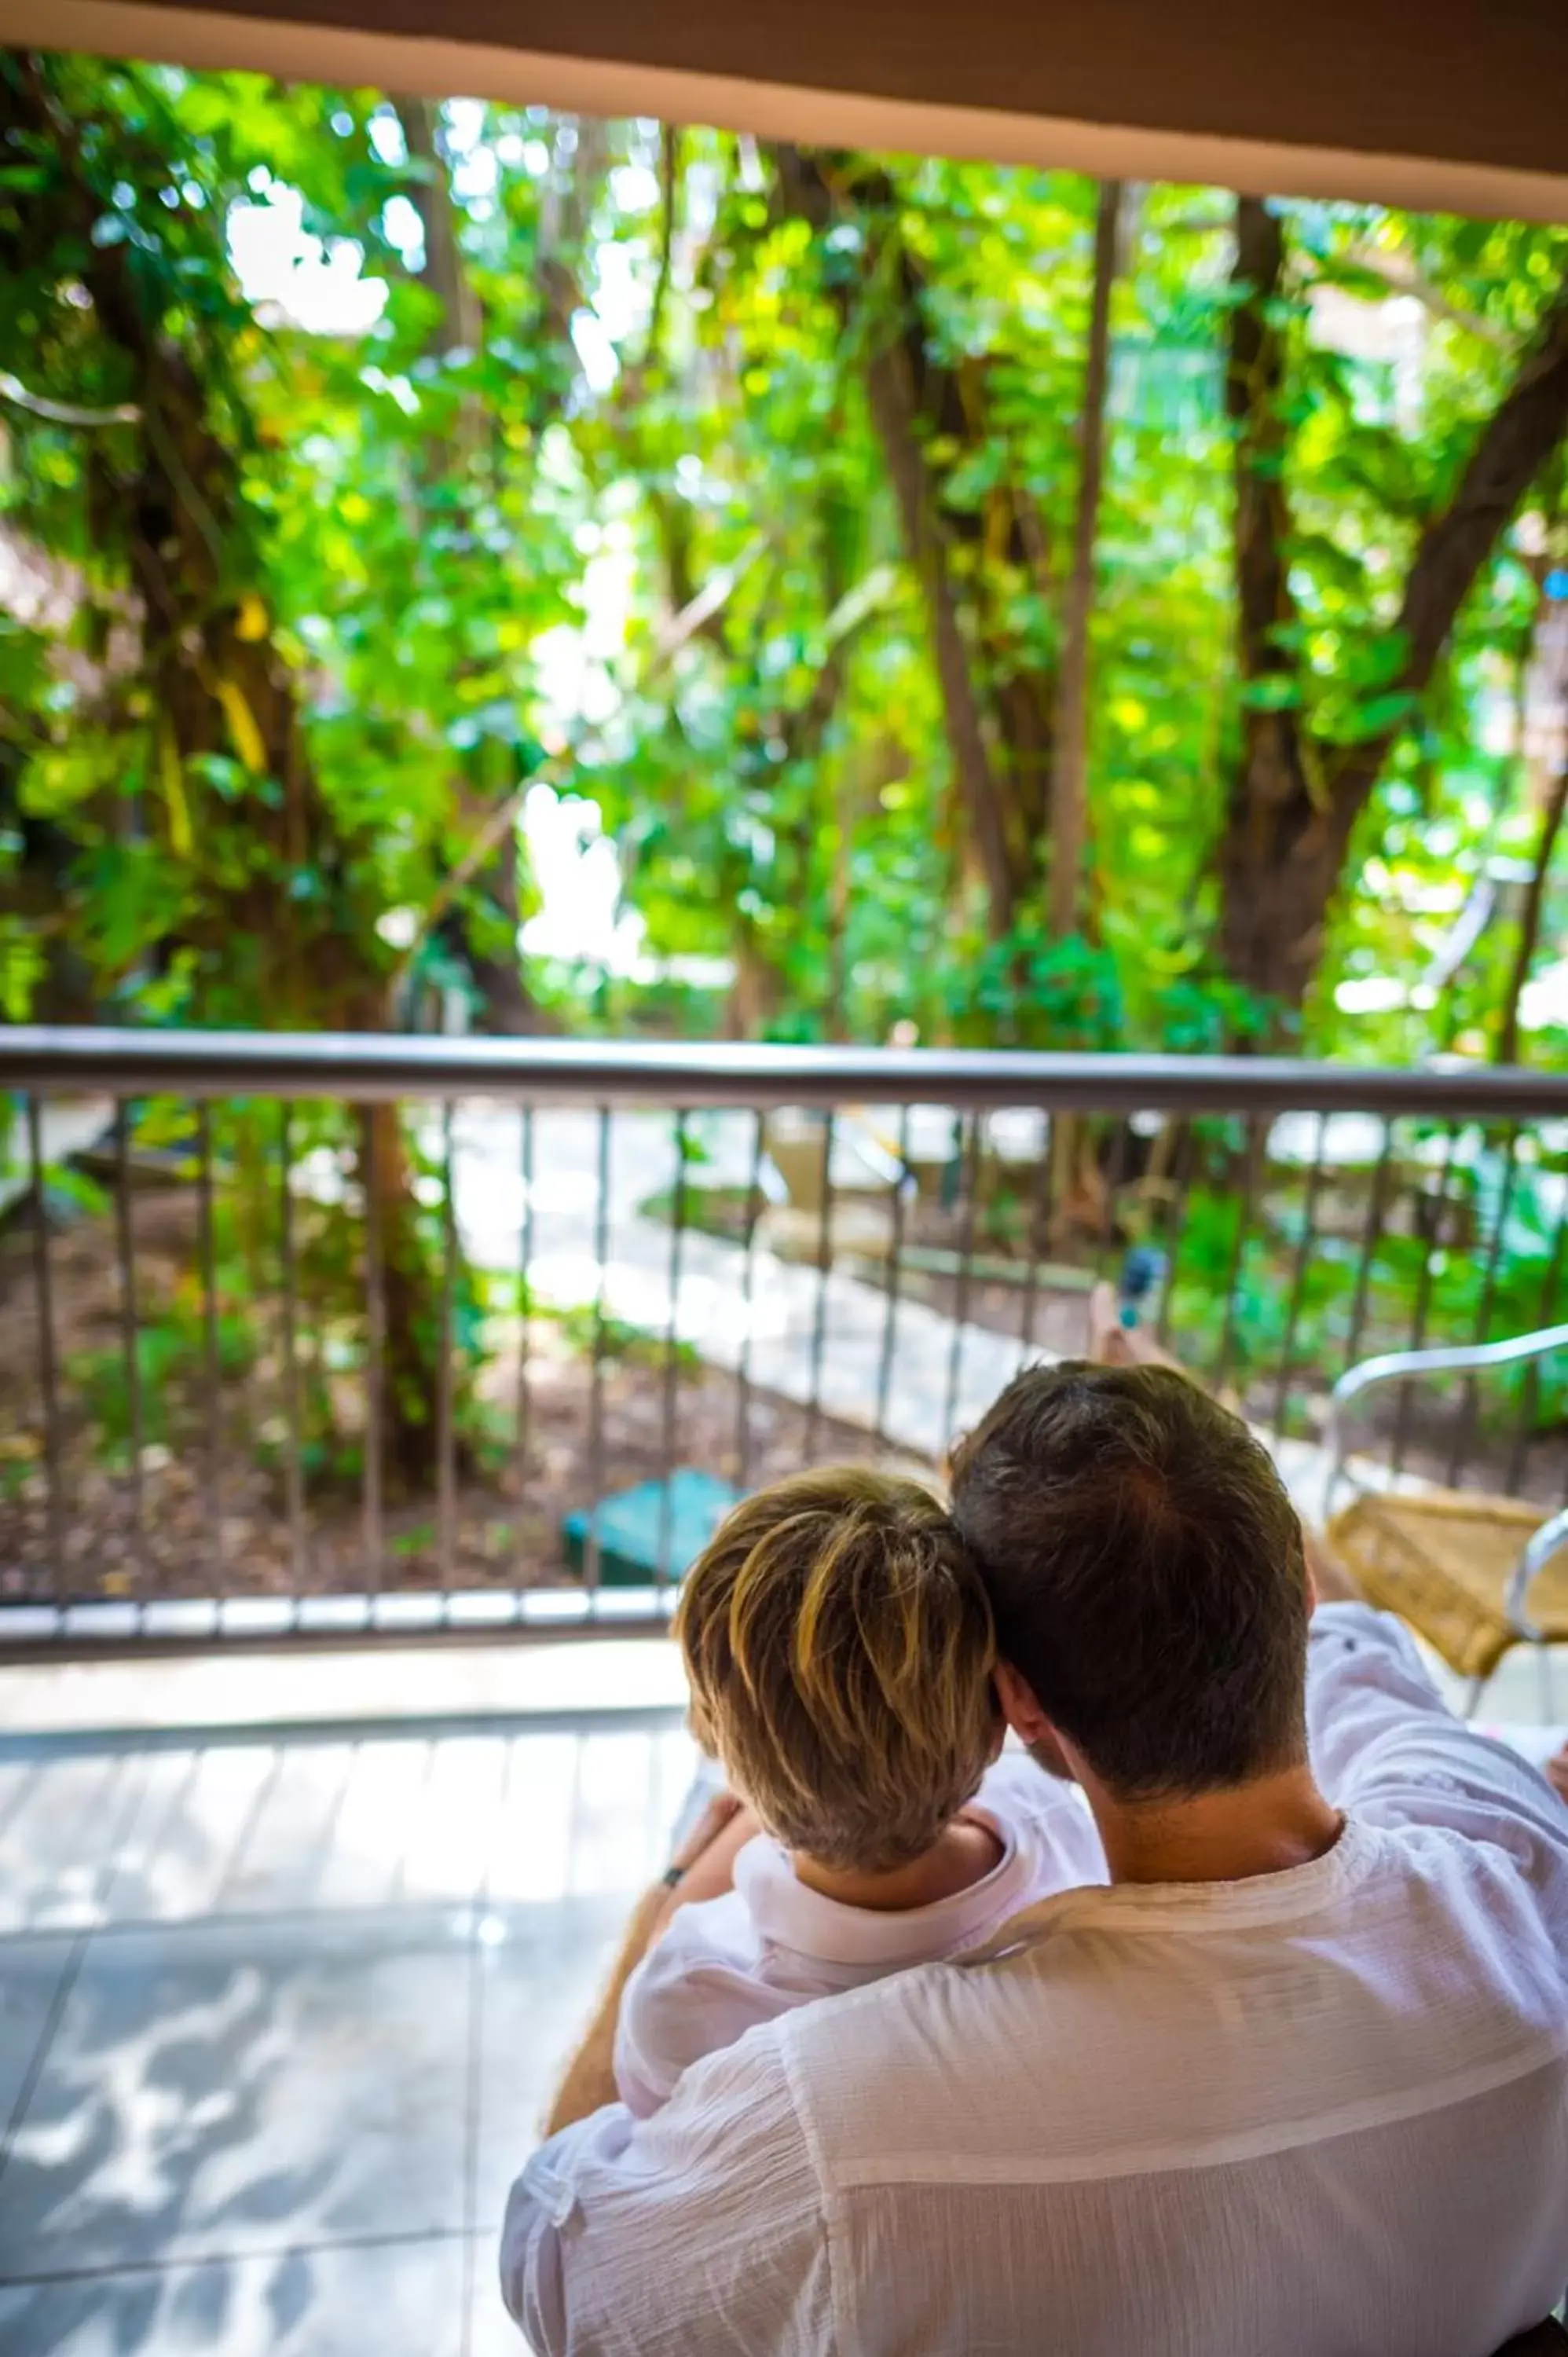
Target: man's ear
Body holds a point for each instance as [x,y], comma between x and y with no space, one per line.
[1021,1708]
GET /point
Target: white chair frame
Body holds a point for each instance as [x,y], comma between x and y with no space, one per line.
[1398,1366]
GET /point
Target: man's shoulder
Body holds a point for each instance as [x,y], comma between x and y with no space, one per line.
[1031,1980]
[1121,2026]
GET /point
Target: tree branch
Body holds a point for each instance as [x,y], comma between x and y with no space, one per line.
[1070,778]
[668,184]
[460,326]
[1254,376]
[1512,447]
[898,387]
[65,412]
[1552,819]
[1401,280]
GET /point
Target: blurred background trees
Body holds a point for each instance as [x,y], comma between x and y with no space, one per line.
[462,562]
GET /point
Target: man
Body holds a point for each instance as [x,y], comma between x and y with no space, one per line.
[1296,2081]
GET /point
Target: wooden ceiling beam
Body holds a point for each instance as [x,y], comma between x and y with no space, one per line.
[1451,107]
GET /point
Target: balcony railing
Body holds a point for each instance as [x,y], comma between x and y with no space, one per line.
[318,1337]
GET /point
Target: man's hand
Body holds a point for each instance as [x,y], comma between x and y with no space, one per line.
[706,1859]
[1111,1344]
[714,1815]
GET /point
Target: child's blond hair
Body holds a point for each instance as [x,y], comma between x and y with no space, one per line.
[840,1649]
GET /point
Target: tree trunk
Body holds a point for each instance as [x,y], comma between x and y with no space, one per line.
[411,1318]
[756,994]
[497,975]
[1551,818]
[996,718]
[1275,866]
[1070,777]
[216,683]
[461,327]
[1292,807]
[893,413]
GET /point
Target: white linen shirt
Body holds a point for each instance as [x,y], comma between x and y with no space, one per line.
[1322,2113]
[772,1943]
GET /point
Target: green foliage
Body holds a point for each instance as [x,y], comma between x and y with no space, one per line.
[1243,1308]
[618,1341]
[170,1368]
[677,578]
[599,498]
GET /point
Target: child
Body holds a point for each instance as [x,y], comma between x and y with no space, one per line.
[840,1650]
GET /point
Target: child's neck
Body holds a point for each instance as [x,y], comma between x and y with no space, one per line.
[963,1853]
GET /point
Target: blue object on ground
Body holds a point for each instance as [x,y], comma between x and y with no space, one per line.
[1141,1272]
[673,1519]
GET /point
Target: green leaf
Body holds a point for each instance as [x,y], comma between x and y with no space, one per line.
[1275,692]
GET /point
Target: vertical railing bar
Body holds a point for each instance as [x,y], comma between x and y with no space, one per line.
[293,1471]
[748,1297]
[49,1369]
[1173,1232]
[1464,1425]
[1115,1171]
[596,1375]
[373,1468]
[125,1249]
[1298,1278]
[824,1273]
[1422,1303]
[525,1320]
[1370,1237]
[207,1253]
[1040,1232]
[1531,1387]
[1257,1147]
[669,1393]
[971,1182]
[445,1390]
[894,1277]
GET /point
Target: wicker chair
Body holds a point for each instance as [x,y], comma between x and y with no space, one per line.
[1460,1566]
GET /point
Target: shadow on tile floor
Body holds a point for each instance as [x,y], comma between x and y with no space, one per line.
[277,2120]
[402,2300]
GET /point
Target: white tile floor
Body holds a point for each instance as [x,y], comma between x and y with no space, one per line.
[279,2012]
[278,2020]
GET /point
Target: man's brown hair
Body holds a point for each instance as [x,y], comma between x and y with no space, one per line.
[840,1650]
[1145,1572]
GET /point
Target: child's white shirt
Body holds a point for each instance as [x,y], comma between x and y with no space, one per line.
[772,1943]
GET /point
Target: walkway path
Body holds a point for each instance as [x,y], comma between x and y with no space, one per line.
[941,1376]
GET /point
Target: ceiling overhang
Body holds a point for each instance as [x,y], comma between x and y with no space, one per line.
[1453,107]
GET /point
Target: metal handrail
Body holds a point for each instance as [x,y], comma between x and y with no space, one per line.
[663,1082]
[1546,1542]
[1392,1366]
[365,1066]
